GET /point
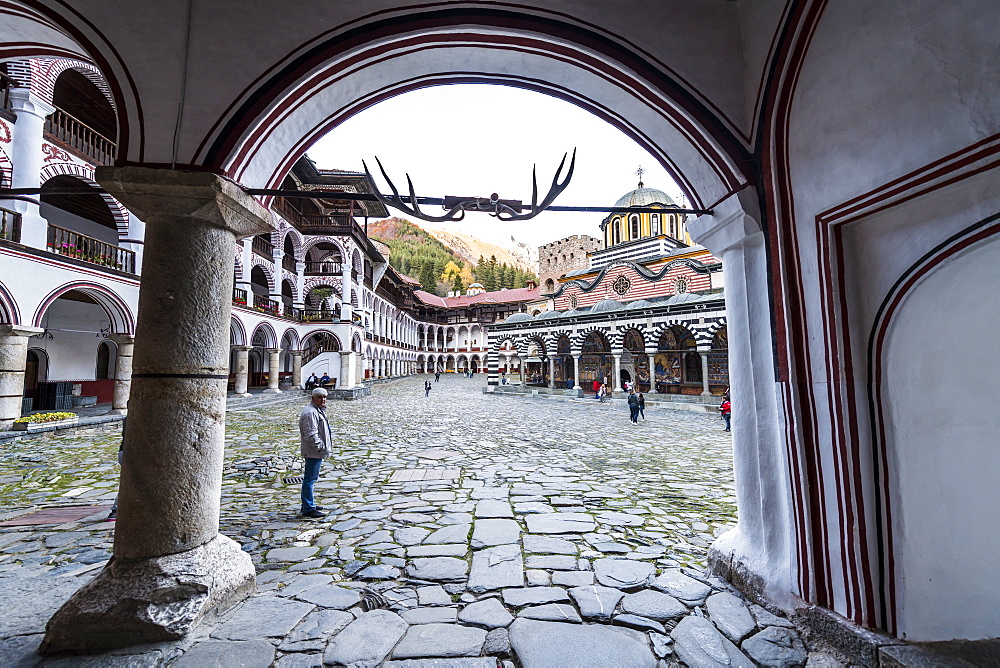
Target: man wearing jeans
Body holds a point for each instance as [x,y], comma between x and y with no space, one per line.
[314,430]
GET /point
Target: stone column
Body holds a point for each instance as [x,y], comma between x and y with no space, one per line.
[652,373]
[13,357]
[616,382]
[296,368]
[123,373]
[273,370]
[757,552]
[520,371]
[552,373]
[705,392]
[26,157]
[171,567]
[576,371]
[242,371]
[346,375]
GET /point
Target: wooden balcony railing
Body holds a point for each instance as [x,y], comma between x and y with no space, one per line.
[318,315]
[79,246]
[10,225]
[323,268]
[288,263]
[321,346]
[262,303]
[239,296]
[263,248]
[6,83]
[76,134]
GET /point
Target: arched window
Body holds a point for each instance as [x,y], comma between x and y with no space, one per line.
[673,226]
[654,223]
[616,235]
[633,221]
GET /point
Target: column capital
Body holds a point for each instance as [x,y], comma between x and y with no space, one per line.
[272,351]
[19,330]
[24,100]
[296,353]
[241,349]
[123,339]
[162,194]
[733,222]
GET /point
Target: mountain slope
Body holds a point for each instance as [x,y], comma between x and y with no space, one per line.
[470,249]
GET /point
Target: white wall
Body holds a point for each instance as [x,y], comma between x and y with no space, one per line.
[945,429]
[73,354]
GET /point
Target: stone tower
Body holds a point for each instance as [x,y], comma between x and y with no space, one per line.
[560,257]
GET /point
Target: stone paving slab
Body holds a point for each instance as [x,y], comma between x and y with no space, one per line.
[352,585]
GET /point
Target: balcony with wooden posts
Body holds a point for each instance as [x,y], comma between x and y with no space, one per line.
[324,268]
[75,134]
[90,250]
[263,247]
[10,225]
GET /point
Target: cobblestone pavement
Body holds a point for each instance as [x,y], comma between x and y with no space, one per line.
[463,527]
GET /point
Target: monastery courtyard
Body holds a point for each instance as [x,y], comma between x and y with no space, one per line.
[536,532]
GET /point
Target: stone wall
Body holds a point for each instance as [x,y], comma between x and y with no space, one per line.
[562,256]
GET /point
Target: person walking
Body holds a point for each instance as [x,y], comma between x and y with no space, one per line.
[633,407]
[427,388]
[316,444]
[597,389]
[726,409]
[602,392]
[642,405]
[437,376]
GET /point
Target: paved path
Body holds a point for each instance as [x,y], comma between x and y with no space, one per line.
[464,527]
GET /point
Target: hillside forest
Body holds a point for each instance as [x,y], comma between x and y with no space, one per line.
[414,252]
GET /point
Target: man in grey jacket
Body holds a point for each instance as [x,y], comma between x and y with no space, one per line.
[317,443]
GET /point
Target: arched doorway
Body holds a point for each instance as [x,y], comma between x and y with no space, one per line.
[635,367]
[596,362]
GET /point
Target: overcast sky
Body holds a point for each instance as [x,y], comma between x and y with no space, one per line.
[474,140]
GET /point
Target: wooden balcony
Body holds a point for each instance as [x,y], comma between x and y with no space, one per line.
[10,225]
[288,263]
[75,134]
[91,250]
[265,305]
[323,268]
[263,248]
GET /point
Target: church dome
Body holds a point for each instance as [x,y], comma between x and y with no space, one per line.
[477,285]
[606,306]
[644,197]
[518,317]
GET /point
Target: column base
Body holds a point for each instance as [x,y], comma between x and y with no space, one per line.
[244,394]
[117,411]
[136,601]
[271,391]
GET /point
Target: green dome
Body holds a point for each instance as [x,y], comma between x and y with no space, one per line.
[644,197]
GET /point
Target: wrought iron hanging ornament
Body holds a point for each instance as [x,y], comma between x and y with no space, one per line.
[506,210]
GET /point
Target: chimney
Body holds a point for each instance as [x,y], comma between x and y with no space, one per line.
[531,284]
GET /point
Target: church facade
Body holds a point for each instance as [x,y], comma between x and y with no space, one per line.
[647,310]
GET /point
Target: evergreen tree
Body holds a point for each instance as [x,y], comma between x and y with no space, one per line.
[428,277]
[457,285]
